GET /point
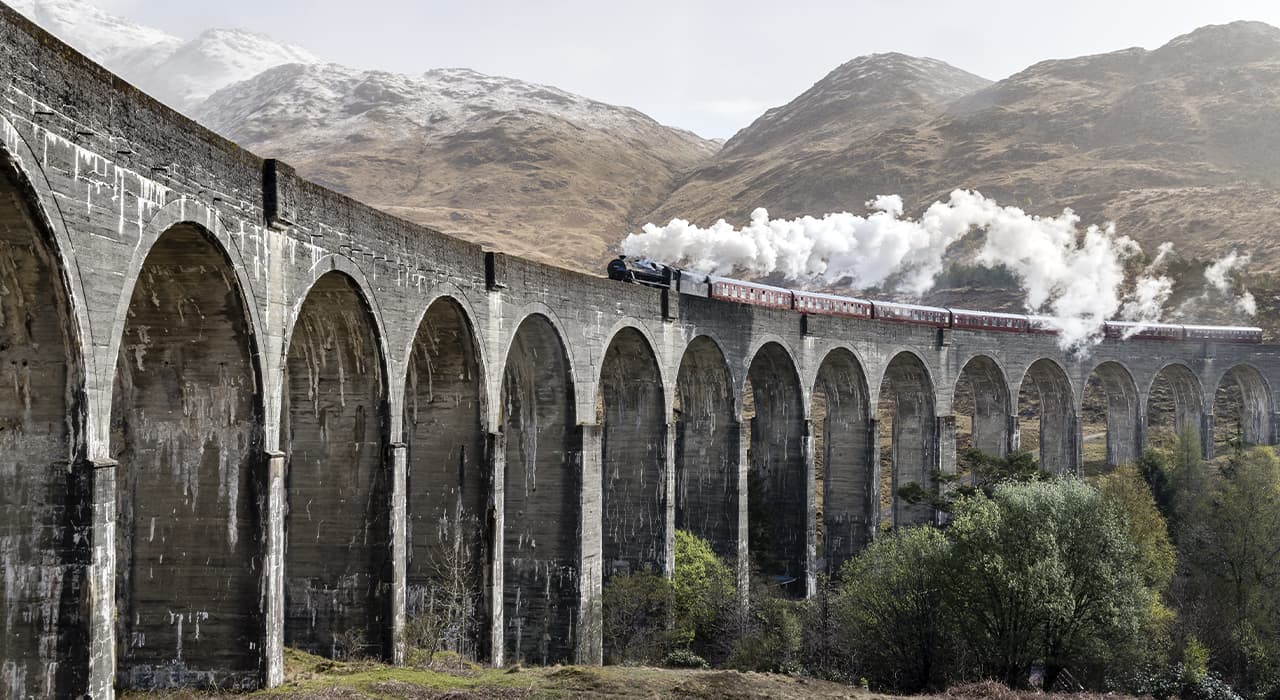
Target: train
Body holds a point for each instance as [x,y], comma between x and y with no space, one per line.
[654,274]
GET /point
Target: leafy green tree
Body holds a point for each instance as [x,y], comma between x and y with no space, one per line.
[705,598]
[1232,546]
[771,638]
[1045,572]
[984,472]
[1127,492]
[1130,495]
[890,610]
[637,616]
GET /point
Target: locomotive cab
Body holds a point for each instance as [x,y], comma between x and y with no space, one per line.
[639,271]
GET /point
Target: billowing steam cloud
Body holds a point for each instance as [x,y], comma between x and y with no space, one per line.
[1078,278]
[1218,275]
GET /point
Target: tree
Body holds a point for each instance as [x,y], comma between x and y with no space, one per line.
[890,611]
[637,618]
[1233,551]
[985,471]
[1044,572]
[705,599]
[1127,492]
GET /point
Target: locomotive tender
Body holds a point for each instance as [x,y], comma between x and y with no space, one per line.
[655,274]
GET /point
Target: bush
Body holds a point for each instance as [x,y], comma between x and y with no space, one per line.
[889,611]
[637,618]
[1046,572]
[771,640]
[705,599]
[683,658]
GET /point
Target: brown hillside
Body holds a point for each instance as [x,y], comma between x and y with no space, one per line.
[1175,144]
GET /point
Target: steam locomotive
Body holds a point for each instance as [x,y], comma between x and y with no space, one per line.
[654,274]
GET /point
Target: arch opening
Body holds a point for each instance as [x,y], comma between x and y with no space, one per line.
[1109,418]
[45,504]
[542,497]
[186,430]
[1174,405]
[1241,410]
[908,438]
[777,483]
[843,469]
[448,529]
[707,446]
[1046,416]
[633,447]
[337,562]
[982,409]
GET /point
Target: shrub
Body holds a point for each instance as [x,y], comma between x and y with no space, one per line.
[890,613]
[705,598]
[1045,572]
[683,658]
[637,618]
[771,639]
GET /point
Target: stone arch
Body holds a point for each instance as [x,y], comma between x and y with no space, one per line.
[542,496]
[1175,403]
[505,345]
[907,403]
[187,434]
[707,448]
[1242,409]
[1046,411]
[633,326]
[843,458]
[981,396]
[188,212]
[758,344]
[778,483]
[1110,388]
[334,432]
[43,422]
[449,527]
[632,417]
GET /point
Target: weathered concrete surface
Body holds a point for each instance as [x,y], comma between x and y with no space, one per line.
[337,563]
[186,433]
[706,463]
[448,484]
[1047,394]
[848,459]
[633,415]
[777,484]
[908,393]
[542,485]
[399,395]
[44,510]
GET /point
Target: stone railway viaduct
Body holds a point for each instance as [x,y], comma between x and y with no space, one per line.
[239,411]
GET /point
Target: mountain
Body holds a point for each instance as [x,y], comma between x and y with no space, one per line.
[521,167]
[216,58]
[1176,144]
[765,164]
[180,73]
[110,40]
[524,168]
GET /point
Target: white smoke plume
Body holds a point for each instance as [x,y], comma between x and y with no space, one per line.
[1077,278]
[1219,277]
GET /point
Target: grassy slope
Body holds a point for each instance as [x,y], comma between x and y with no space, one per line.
[314,678]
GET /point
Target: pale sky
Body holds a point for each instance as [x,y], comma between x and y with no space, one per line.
[709,66]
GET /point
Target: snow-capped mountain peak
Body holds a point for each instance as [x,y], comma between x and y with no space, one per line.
[334,98]
[100,35]
[218,58]
[179,73]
